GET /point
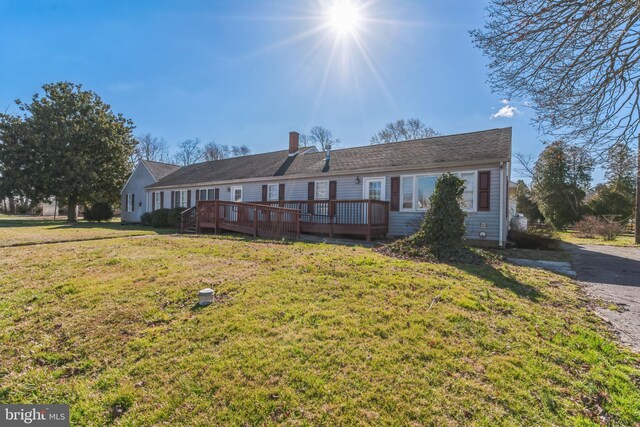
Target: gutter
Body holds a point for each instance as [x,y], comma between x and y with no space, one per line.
[502,207]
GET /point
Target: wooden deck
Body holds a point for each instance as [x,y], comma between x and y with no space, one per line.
[365,218]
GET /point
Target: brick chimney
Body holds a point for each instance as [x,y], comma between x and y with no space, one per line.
[294,142]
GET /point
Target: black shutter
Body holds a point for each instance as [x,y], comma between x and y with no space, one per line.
[133,202]
[216,194]
[162,200]
[311,192]
[484,186]
[265,189]
[333,189]
[281,192]
[188,199]
[198,195]
[395,193]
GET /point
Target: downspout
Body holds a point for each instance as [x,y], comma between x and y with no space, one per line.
[501,210]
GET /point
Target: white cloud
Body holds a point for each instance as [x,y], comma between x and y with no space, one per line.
[506,112]
[504,101]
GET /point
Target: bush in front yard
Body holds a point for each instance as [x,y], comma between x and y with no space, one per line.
[145,219]
[441,235]
[587,227]
[591,226]
[99,211]
[174,217]
[610,230]
[159,218]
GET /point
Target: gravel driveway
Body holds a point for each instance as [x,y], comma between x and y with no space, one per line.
[612,274]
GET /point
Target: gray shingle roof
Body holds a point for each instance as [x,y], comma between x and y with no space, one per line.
[494,145]
[160,170]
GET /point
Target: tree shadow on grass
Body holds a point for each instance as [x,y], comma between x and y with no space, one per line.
[485,269]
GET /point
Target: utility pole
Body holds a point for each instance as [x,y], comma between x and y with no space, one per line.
[637,222]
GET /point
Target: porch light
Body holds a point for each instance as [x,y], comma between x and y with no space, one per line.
[229,189]
[140,204]
[205,296]
[357,180]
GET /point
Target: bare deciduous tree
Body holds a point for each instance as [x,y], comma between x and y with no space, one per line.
[189,152]
[575,62]
[320,137]
[149,147]
[403,130]
[240,150]
[213,151]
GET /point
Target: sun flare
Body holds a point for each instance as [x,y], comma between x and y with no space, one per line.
[344,17]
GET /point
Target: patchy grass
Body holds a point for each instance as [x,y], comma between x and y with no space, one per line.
[626,240]
[23,231]
[301,334]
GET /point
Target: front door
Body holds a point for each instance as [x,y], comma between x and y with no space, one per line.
[373,189]
[236,196]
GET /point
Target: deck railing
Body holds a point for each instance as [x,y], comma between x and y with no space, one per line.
[249,218]
[367,218]
[355,217]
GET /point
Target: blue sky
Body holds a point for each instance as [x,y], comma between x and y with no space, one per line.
[248,72]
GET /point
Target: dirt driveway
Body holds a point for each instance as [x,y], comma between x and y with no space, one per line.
[612,274]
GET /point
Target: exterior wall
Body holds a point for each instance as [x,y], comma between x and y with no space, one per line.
[136,185]
[400,223]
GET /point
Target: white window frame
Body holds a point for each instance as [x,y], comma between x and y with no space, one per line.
[413,193]
[474,208]
[277,196]
[365,186]
[415,188]
[315,190]
[156,202]
[415,177]
[130,202]
[177,199]
[233,193]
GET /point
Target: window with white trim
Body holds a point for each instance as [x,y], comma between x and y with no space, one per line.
[321,190]
[156,201]
[416,190]
[406,192]
[273,192]
[469,195]
[211,194]
[425,185]
[129,202]
[180,199]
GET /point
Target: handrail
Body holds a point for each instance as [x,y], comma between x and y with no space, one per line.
[188,217]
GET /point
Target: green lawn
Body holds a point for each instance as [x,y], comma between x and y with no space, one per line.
[570,237]
[301,334]
[23,231]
